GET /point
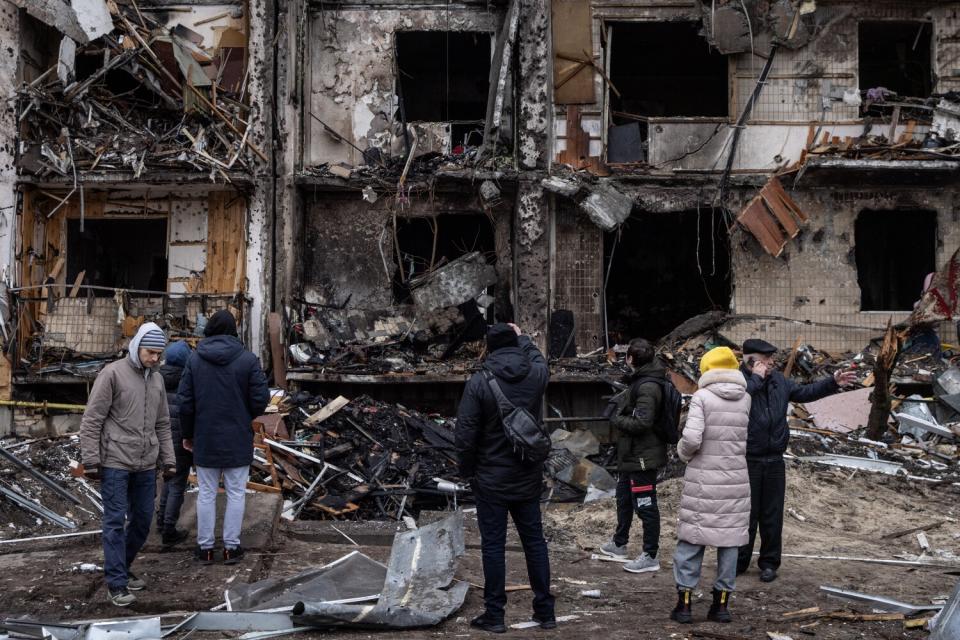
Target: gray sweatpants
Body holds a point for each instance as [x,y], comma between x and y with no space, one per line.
[688,560]
[235,486]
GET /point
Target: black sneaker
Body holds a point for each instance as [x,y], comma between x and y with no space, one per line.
[768,575]
[546,622]
[173,538]
[232,556]
[204,556]
[488,624]
[121,597]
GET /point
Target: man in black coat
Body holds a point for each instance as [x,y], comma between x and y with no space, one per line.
[502,483]
[223,389]
[171,497]
[767,439]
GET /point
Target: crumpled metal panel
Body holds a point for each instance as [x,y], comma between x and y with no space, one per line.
[419,589]
[948,622]
[352,577]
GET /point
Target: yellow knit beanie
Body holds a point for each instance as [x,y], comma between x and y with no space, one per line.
[718,358]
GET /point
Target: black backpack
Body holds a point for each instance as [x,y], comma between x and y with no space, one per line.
[528,435]
[667,425]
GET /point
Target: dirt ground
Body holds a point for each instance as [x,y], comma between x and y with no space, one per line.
[844,513]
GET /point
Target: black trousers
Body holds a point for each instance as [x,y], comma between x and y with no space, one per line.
[492,518]
[637,493]
[768,485]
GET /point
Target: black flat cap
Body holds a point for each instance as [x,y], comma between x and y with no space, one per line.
[756,345]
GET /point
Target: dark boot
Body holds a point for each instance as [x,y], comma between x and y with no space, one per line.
[718,610]
[683,613]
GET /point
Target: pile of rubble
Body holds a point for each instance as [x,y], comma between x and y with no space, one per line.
[138,95]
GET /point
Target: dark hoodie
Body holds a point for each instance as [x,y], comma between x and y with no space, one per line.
[639,448]
[487,458]
[222,390]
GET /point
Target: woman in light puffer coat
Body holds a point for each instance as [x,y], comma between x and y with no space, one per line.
[715,505]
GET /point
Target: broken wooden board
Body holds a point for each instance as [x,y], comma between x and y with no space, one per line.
[756,219]
[842,412]
[328,410]
[572,35]
[277,359]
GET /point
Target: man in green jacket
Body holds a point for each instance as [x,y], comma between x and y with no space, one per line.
[640,454]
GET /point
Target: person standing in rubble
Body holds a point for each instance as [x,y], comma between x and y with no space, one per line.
[125,431]
[767,441]
[640,454]
[501,481]
[171,496]
[715,503]
[222,390]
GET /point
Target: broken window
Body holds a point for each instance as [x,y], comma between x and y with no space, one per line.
[443,76]
[661,69]
[894,251]
[897,57]
[665,268]
[425,244]
[126,254]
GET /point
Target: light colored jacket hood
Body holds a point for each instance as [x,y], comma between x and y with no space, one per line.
[715,504]
[134,353]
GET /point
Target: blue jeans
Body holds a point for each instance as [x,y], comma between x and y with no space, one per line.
[171,495]
[127,512]
[492,520]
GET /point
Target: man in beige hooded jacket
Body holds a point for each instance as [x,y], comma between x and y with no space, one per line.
[125,429]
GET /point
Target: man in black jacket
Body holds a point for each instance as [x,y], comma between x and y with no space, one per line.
[640,454]
[223,389]
[502,483]
[171,496]
[767,439]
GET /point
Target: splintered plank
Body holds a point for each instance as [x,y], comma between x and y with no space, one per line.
[756,219]
[328,410]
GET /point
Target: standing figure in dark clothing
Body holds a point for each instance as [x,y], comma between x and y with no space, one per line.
[640,454]
[171,496]
[501,481]
[767,439]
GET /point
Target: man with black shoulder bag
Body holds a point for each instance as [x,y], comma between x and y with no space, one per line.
[502,445]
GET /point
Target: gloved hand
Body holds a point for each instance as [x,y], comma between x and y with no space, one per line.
[169,471]
[92,472]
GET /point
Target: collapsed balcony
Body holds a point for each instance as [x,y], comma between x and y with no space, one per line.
[142,95]
[90,274]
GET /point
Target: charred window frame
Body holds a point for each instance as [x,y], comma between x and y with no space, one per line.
[444,76]
[124,253]
[894,250]
[895,55]
[425,243]
[661,70]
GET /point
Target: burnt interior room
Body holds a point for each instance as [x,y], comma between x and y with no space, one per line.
[443,76]
[890,278]
[666,69]
[438,240]
[665,268]
[897,56]
[125,254]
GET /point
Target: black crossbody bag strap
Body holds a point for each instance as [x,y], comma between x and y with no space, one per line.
[504,406]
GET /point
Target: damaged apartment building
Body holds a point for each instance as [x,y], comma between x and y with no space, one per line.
[367,183]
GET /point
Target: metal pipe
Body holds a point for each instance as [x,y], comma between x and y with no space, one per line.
[27,504]
[39,475]
[24,404]
[576,419]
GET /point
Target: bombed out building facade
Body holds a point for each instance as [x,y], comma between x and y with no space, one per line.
[367,183]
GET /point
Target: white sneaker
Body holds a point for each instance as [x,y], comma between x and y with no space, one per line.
[614,550]
[642,564]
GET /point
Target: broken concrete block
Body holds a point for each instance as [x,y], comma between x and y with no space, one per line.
[463,279]
[606,206]
[585,475]
[93,16]
[56,14]
[561,186]
[730,30]
[580,443]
